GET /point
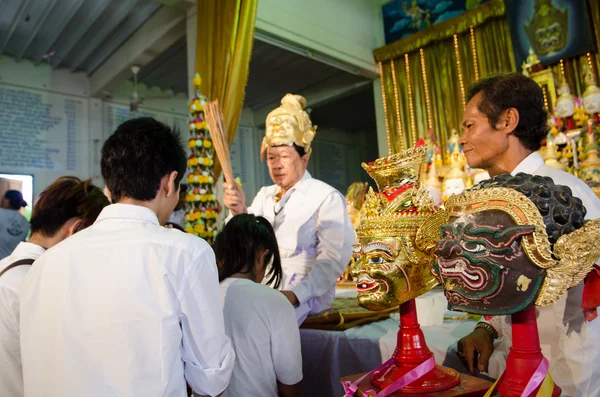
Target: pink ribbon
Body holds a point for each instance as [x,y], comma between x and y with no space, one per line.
[406,379]
[537,378]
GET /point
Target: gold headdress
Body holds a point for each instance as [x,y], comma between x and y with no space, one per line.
[402,204]
[301,132]
[573,256]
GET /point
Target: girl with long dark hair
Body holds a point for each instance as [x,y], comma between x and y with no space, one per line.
[259,320]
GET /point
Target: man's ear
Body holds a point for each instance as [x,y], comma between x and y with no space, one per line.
[73,226]
[172,187]
[510,120]
[305,159]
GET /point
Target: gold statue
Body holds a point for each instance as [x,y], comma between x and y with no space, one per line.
[589,169]
[550,157]
[355,198]
[455,179]
[591,96]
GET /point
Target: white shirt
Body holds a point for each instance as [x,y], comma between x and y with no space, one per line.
[124,308]
[261,324]
[314,234]
[11,373]
[571,344]
[13,229]
[178,218]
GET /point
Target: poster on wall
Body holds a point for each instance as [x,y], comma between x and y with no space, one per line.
[115,114]
[42,132]
[402,18]
[552,29]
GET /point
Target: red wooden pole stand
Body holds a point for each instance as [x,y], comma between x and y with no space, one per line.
[524,357]
[411,350]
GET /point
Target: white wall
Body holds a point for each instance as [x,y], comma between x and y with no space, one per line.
[90,122]
[347,30]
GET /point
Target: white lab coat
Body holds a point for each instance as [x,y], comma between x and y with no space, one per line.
[571,344]
[315,238]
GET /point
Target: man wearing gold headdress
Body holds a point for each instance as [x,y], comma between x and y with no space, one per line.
[314,232]
[503,126]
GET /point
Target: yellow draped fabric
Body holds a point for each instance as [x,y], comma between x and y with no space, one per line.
[431,82]
[224,38]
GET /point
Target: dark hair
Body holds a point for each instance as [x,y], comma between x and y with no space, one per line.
[138,155]
[239,244]
[500,93]
[562,212]
[67,197]
[15,199]
[299,149]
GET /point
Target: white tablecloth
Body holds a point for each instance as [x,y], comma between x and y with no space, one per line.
[330,355]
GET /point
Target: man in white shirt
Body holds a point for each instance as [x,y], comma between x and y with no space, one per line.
[65,207]
[314,232]
[504,124]
[128,307]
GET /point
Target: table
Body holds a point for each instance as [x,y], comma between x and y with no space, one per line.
[329,356]
[469,386]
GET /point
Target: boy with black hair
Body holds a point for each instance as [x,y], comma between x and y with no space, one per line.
[128,307]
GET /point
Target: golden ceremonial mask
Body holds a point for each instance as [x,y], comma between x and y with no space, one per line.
[289,124]
[394,253]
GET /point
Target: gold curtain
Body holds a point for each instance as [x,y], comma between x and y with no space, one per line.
[430,83]
[224,39]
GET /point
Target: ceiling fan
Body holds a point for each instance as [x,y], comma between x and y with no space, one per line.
[137,100]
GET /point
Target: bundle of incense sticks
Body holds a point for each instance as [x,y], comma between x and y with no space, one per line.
[218,134]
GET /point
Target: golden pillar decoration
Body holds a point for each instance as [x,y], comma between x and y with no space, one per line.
[459,72]
[397,102]
[387,125]
[474,50]
[413,128]
[426,86]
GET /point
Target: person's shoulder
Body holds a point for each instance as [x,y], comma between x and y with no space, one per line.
[151,235]
[185,241]
[319,184]
[262,296]
[267,190]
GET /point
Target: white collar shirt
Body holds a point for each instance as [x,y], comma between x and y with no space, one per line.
[11,373]
[124,308]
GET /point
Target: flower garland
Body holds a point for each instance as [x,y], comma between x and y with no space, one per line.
[202,208]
